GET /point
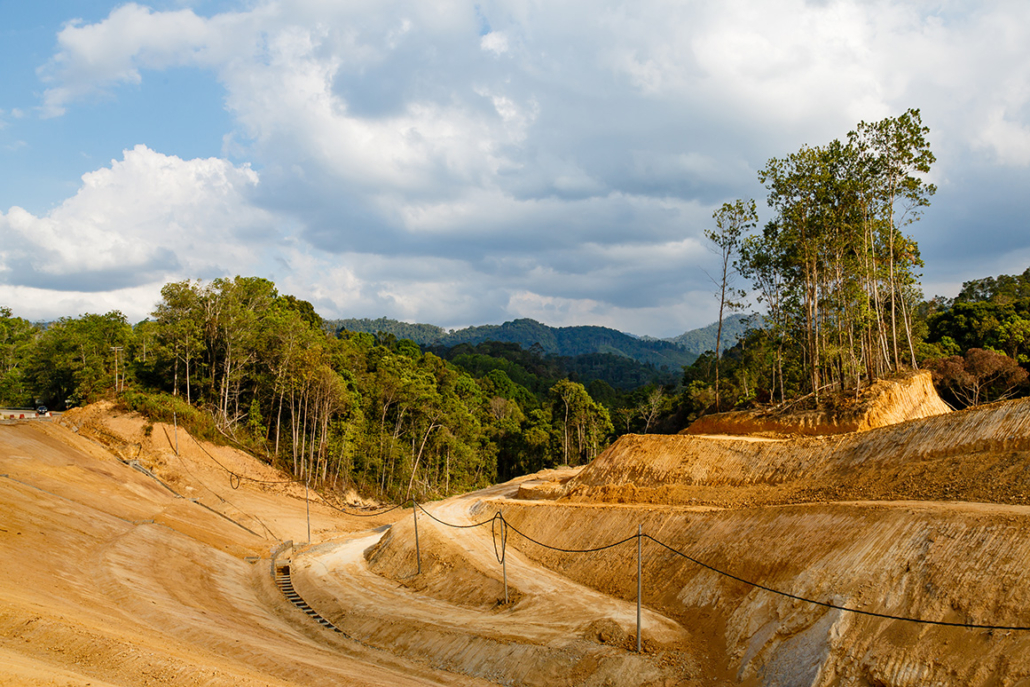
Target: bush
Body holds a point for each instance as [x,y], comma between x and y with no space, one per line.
[162,407]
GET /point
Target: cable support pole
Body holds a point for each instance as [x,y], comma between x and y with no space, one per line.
[307,504]
[418,551]
[640,584]
[175,422]
[504,556]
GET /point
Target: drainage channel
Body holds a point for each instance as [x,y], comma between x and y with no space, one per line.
[285,584]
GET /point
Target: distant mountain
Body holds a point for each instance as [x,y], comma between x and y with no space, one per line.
[697,341]
[575,341]
[555,341]
[422,334]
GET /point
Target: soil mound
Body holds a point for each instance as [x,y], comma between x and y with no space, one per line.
[887,402]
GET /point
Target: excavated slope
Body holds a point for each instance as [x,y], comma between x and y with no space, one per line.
[977,454]
[886,402]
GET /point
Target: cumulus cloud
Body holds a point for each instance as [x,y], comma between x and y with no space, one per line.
[145,219]
[449,162]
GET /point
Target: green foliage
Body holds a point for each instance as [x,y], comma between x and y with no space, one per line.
[1000,290]
[1002,324]
[233,360]
[422,334]
[834,270]
[163,407]
[73,360]
[16,340]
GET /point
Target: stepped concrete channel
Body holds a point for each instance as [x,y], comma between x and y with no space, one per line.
[285,584]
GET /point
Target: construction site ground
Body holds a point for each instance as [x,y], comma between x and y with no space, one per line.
[129,558]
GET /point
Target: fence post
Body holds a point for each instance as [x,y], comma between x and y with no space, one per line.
[175,423]
[640,540]
[418,551]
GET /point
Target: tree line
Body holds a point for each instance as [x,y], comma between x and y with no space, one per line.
[247,365]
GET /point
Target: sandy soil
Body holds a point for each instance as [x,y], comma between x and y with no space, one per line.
[109,578]
[116,577]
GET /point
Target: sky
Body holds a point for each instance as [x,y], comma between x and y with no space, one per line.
[464,163]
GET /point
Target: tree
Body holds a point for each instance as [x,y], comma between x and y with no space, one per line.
[981,376]
[732,221]
[16,336]
[73,359]
[895,151]
[651,406]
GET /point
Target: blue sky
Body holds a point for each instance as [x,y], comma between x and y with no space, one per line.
[467,163]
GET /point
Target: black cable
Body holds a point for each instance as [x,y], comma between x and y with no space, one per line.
[504,536]
[240,476]
[555,548]
[449,524]
[359,515]
[826,604]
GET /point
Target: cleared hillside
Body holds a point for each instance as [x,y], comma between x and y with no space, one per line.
[111,578]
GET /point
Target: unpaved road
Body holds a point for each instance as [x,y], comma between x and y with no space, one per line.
[108,578]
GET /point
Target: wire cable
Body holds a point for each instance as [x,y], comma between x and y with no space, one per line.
[826,604]
[450,524]
[556,548]
[359,515]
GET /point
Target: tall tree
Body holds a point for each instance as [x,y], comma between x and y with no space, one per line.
[732,221]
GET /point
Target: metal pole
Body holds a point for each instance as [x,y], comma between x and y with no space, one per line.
[418,551]
[640,539]
[175,421]
[504,556]
[307,505]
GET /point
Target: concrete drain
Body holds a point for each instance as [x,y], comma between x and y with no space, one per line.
[285,584]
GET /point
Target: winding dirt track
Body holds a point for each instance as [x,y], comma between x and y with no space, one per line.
[108,578]
[551,610]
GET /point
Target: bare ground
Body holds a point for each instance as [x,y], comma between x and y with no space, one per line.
[109,578]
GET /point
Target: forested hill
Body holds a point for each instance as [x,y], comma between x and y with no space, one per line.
[697,341]
[555,341]
[422,334]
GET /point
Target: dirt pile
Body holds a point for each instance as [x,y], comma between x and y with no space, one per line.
[886,402]
[959,563]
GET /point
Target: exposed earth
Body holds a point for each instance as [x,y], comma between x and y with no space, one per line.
[128,562]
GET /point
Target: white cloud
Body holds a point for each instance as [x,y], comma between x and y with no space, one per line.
[572,153]
[495,42]
[1008,140]
[145,219]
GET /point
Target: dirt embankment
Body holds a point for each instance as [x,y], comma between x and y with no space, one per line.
[886,402]
[978,454]
[961,563]
[111,579]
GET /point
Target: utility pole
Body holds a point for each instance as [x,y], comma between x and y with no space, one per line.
[117,356]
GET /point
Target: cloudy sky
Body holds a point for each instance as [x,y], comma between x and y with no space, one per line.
[468,163]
